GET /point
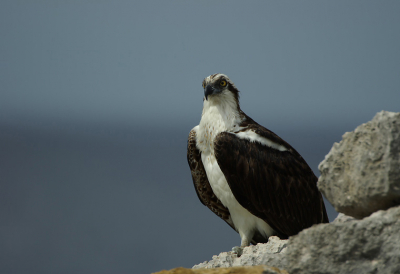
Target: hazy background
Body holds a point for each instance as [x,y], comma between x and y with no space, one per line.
[97,99]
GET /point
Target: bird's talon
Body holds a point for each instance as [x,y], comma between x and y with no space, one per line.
[237,250]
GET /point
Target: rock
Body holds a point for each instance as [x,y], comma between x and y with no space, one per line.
[370,245]
[342,218]
[361,174]
[252,255]
[347,245]
[262,269]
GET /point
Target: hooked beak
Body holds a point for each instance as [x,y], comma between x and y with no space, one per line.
[208,91]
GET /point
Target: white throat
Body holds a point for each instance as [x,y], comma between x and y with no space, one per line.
[220,113]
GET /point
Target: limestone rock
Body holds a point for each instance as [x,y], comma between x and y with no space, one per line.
[347,245]
[361,174]
[252,255]
[370,245]
[342,218]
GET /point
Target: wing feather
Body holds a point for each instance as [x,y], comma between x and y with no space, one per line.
[276,186]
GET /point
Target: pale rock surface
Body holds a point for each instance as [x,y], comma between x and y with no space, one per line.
[348,245]
[361,174]
[342,218]
[252,255]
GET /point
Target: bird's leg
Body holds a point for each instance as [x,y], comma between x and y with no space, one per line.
[239,249]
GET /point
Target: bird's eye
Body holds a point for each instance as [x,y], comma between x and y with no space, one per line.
[204,86]
[222,83]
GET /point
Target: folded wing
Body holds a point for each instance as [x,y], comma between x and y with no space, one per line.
[276,186]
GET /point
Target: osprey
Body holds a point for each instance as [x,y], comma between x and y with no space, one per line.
[248,175]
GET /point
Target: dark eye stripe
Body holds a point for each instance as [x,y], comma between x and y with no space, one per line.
[212,76]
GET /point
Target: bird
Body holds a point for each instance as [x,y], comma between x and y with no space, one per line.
[246,174]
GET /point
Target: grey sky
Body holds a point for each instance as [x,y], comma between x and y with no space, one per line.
[295,62]
[97,99]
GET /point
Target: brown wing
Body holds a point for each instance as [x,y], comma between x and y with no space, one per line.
[276,186]
[201,183]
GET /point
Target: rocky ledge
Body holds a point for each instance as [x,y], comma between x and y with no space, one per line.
[347,245]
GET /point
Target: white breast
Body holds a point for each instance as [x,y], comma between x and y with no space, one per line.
[214,121]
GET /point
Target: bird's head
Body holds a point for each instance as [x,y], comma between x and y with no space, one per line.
[218,85]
